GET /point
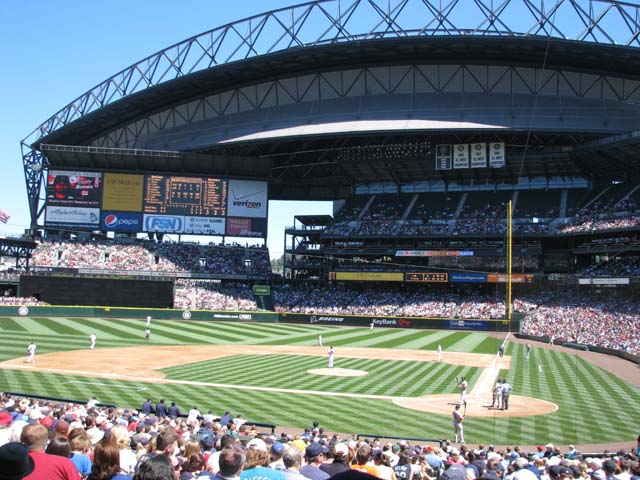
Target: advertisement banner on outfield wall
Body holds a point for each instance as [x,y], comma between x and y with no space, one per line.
[503,278]
[349,320]
[468,325]
[74,217]
[247,199]
[603,281]
[369,276]
[393,322]
[458,277]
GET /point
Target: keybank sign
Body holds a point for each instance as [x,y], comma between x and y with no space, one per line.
[164,223]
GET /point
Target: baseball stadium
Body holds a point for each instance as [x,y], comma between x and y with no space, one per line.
[482,257]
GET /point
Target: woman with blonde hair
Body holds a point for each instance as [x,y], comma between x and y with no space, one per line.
[191,448]
[128,459]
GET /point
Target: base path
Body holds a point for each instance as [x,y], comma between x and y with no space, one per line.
[142,364]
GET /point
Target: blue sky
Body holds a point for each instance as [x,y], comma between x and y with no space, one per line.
[53,51]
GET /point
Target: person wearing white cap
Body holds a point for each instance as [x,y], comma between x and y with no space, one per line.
[339,464]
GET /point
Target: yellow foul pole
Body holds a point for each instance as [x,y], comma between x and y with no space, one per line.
[509,259]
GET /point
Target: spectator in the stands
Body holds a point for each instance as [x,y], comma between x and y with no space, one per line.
[47,467]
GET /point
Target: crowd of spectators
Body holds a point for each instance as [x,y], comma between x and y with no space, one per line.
[610,322]
[549,313]
[418,229]
[338,229]
[582,224]
[210,295]
[68,441]
[344,300]
[619,266]
[148,256]
[385,217]
[13,301]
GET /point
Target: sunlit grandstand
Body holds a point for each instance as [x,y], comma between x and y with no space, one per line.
[482,161]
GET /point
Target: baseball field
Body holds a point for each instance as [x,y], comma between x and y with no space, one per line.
[385,382]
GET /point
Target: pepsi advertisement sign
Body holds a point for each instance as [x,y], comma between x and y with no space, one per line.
[121,221]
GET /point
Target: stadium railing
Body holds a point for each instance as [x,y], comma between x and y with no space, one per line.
[57,399]
[439,441]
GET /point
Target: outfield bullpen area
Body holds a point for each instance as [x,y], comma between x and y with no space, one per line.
[386,381]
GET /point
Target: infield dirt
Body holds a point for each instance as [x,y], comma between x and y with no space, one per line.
[142,364]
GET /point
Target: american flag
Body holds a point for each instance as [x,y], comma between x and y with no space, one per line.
[4,216]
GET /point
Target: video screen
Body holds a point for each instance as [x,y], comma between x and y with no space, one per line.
[65,188]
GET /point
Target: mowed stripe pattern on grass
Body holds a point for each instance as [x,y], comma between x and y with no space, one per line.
[384,377]
[590,399]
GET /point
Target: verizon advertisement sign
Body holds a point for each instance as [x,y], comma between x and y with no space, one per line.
[247,199]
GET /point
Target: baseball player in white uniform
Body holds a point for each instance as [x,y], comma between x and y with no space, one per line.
[92,341]
[458,429]
[463,385]
[31,351]
[332,355]
[439,352]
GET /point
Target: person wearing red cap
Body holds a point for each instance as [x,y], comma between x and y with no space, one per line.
[46,466]
[5,431]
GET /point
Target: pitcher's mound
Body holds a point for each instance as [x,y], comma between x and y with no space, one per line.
[337,372]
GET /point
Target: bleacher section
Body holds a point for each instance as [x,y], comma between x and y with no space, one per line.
[217,261]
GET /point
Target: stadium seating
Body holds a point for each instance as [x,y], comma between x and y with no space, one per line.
[198,435]
[145,256]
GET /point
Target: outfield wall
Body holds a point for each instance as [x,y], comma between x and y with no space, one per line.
[297,318]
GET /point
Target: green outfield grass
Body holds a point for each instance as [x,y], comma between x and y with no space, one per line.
[594,406]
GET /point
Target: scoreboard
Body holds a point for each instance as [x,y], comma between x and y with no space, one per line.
[427,277]
[197,196]
[121,202]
